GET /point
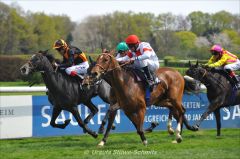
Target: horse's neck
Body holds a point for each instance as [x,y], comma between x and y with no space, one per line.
[119,81]
[50,80]
[55,81]
[210,81]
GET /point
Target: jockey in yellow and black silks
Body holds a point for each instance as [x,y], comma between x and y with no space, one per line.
[74,60]
[223,59]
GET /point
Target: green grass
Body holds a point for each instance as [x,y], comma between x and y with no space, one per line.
[196,145]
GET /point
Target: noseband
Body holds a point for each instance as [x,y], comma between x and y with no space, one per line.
[107,70]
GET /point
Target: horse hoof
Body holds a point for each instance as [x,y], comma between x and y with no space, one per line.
[113,127]
[101,144]
[95,135]
[145,142]
[179,139]
[148,131]
[100,131]
[195,128]
[174,142]
[218,137]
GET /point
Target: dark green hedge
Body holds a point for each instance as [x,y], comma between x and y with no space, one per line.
[9,68]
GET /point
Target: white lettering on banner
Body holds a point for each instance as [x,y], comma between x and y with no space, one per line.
[45,115]
[196,117]
[156,118]
[63,116]
[236,113]
[164,117]
[195,105]
[100,113]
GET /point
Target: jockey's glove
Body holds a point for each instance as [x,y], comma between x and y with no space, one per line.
[132,59]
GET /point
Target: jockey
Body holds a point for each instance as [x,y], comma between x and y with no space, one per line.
[122,50]
[142,55]
[74,60]
[223,59]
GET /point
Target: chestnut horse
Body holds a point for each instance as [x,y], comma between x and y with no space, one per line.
[130,95]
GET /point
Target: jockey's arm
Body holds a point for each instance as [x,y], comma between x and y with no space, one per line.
[123,59]
[219,62]
[144,56]
[210,61]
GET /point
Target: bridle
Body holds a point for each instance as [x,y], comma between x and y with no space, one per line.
[107,70]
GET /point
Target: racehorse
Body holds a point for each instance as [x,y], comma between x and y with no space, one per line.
[219,92]
[130,95]
[64,92]
[104,91]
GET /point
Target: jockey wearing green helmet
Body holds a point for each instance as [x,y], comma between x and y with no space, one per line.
[122,49]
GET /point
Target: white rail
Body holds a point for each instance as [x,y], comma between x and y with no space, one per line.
[23,89]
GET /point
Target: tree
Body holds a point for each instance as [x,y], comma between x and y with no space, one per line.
[200,22]
[186,42]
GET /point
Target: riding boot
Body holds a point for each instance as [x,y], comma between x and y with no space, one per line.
[236,81]
[149,77]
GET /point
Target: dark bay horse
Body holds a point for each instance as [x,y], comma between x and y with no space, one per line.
[219,92]
[130,95]
[64,92]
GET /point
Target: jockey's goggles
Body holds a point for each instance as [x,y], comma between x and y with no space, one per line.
[59,49]
[214,52]
[131,45]
[121,51]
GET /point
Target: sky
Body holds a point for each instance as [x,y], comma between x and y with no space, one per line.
[77,10]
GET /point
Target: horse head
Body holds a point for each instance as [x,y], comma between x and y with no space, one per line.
[196,71]
[105,63]
[39,62]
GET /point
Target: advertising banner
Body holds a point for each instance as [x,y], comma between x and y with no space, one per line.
[195,105]
[15,116]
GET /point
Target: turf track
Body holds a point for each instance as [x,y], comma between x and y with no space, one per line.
[202,144]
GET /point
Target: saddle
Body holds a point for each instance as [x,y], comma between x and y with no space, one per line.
[139,75]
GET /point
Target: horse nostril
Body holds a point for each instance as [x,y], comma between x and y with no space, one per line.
[94,74]
[23,70]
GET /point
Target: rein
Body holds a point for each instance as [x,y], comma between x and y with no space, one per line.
[105,71]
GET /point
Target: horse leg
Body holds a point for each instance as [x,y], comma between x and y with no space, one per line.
[55,113]
[93,110]
[217,116]
[76,115]
[203,116]
[112,115]
[104,121]
[185,121]
[169,124]
[153,125]
[178,112]
[138,119]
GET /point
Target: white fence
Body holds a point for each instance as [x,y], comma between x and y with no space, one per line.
[23,89]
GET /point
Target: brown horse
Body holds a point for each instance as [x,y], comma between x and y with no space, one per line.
[130,95]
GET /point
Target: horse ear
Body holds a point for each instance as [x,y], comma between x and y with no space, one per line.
[197,63]
[189,63]
[112,52]
[90,59]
